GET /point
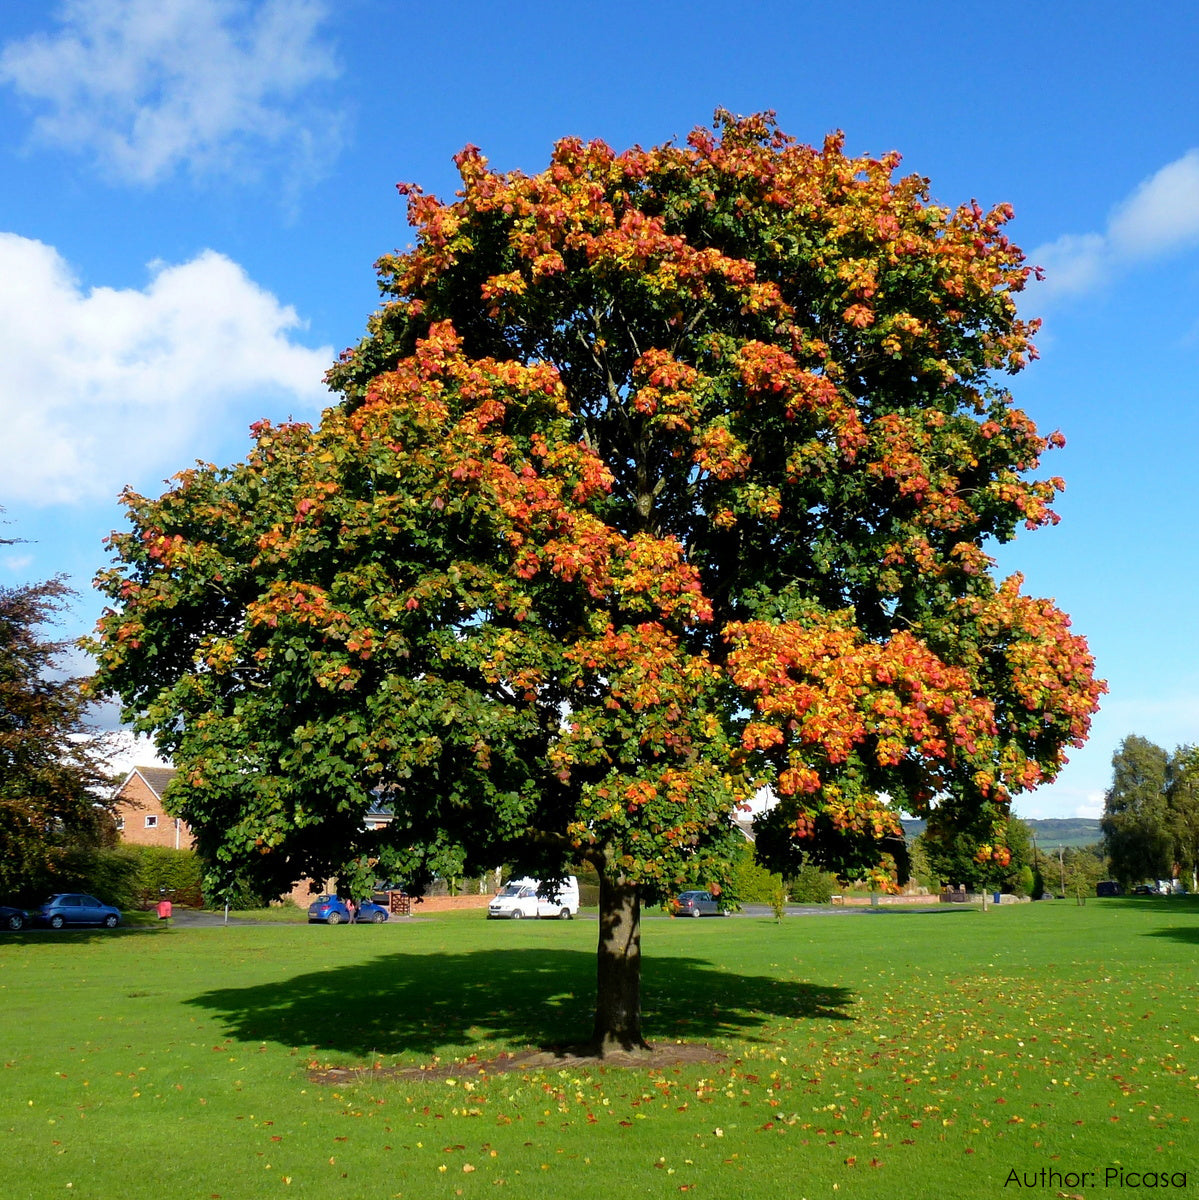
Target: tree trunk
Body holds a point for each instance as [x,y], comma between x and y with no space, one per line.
[618,970]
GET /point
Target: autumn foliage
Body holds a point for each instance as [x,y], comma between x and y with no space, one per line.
[660,476]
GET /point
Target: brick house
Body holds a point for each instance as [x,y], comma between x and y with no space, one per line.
[141,818]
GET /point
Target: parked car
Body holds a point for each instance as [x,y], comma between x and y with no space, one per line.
[697,904]
[1108,887]
[13,918]
[332,910]
[76,908]
[531,898]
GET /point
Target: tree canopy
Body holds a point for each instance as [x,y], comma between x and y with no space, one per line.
[52,771]
[1135,821]
[951,857]
[1151,812]
[660,476]
[1182,801]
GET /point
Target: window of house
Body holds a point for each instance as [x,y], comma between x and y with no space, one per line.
[120,823]
[151,822]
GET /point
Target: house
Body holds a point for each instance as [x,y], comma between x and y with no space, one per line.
[141,818]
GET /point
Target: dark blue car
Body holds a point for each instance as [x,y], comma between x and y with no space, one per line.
[13,918]
[332,910]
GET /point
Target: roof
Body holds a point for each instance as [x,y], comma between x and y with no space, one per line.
[156,778]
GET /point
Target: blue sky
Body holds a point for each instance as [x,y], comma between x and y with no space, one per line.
[192,193]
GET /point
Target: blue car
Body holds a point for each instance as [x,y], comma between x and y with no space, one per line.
[13,918]
[332,910]
[76,908]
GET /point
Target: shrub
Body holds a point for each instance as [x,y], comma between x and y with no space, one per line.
[178,873]
[813,886]
[110,875]
[753,884]
[127,876]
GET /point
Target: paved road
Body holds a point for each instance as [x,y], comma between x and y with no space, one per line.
[191,919]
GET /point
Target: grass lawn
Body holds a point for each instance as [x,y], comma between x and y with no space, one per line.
[879,1054]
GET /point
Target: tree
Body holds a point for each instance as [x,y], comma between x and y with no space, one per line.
[1182,810]
[52,772]
[951,857]
[1082,867]
[1135,824]
[659,477]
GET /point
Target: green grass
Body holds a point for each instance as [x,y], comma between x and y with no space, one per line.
[277,913]
[885,1054]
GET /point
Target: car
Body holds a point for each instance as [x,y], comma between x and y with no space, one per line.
[531,898]
[697,904]
[76,908]
[332,910]
[13,918]
[1145,889]
[1108,887]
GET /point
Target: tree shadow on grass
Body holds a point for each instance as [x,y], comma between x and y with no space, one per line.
[1187,934]
[74,935]
[422,1005]
[1174,905]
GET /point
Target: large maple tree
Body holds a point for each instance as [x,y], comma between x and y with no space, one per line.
[659,477]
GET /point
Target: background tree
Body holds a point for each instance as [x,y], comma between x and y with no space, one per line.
[1021,876]
[950,857]
[1084,867]
[1182,809]
[1136,825]
[660,476]
[53,777]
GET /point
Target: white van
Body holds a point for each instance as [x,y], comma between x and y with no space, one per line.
[531,898]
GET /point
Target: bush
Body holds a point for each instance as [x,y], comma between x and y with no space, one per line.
[813,886]
[109,875]
[752,883]
[177,873]
[1024,882]
[128,876]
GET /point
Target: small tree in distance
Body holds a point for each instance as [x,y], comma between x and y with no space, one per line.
[660,476]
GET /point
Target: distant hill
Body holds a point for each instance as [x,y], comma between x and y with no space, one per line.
[1050,833]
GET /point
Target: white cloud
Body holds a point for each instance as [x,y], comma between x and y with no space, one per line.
[149,85]
[1161,215]
[125,750]
[1074,263]
[107,386]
